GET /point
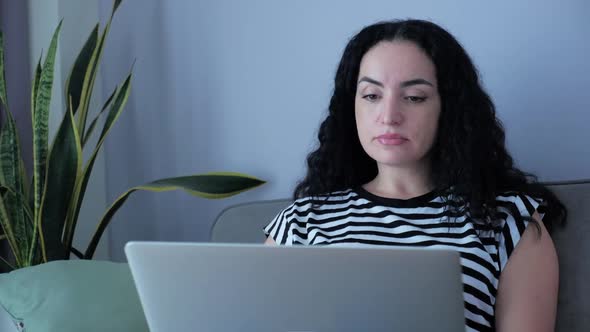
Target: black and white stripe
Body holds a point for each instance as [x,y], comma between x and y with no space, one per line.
[357,217]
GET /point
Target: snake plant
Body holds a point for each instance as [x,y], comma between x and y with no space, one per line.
[39,216]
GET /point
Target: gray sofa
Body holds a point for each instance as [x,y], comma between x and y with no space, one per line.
[243,223]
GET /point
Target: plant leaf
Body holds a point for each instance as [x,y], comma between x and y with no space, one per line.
[40,123]
[31,200]
[28,216]
[77,253]
[116,5]
[11,178]
[27,209]
[114,112]
[3,95]
[7,227]
[63,169]
[8,265]
[75,80]
[4,190]
[90,76]
[95,121]
[211,185]
[11,150]
[24,181]
[8,231]
[35,87]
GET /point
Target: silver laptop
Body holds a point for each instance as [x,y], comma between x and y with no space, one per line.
[249,287]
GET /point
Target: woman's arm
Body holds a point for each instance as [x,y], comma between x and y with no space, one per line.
[270,242]
[527,291]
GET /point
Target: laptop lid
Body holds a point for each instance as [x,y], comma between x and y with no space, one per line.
[250,287]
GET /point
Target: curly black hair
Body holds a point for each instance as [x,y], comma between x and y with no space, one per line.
[469,160]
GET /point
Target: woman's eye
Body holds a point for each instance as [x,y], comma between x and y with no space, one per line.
[371,97]
[415,99]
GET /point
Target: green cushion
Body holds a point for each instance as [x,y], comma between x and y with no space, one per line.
[75,295]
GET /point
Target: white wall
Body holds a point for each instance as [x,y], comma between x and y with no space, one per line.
[243,85]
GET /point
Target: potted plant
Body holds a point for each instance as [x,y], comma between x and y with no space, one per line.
[39,218]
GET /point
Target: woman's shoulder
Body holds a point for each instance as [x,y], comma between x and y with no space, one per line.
[520,202]
[517,209]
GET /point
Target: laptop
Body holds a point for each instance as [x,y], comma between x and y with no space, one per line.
[252,287]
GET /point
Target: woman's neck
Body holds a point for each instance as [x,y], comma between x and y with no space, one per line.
[401,182]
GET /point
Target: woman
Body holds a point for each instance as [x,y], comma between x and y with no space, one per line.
[412,154]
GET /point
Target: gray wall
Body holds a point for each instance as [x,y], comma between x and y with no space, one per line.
[14,25]
[242,86]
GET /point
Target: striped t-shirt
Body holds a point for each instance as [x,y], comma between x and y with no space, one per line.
[357,217]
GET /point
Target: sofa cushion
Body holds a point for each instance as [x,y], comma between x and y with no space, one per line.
[75,295]
[573,249]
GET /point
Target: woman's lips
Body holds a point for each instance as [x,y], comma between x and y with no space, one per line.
[391,139]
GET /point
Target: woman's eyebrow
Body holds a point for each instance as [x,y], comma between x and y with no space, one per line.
[404,84]
[370,80]
[416,81]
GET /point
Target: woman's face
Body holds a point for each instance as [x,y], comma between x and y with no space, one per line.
[397,104]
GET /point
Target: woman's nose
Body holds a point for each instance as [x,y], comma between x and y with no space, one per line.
[391,113]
